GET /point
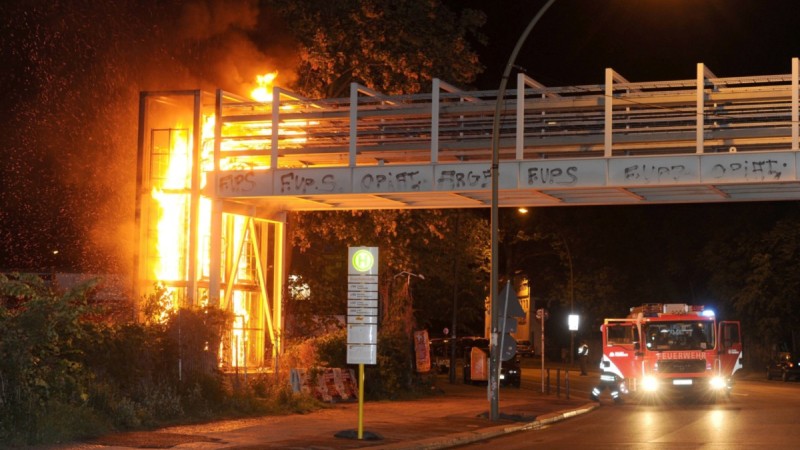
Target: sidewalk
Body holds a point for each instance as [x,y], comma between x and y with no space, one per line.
[456,415]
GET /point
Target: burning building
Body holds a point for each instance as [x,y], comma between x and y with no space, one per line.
[203,250]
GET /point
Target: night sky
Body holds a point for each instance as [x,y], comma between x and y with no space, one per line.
[71,72]
[643,40]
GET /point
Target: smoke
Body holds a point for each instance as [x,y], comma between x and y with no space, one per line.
[75,71]
[203,20]
[217,43]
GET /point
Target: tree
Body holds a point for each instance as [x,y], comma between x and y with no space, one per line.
[761,282]
[396,47]
[393,46]
[417,241]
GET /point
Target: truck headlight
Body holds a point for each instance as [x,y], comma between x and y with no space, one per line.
[649,384]
[718,383]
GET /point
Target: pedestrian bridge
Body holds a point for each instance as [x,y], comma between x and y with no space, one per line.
[217,172]
[708,139]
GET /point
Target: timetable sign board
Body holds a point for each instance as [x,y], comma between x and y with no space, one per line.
[362,305]
[362,312]
[362,295]
[358,333]
[362,287]
[362,353]
[362,319]
[362,278]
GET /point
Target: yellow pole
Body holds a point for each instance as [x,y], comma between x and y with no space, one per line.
[360,401]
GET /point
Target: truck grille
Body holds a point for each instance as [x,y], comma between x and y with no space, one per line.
[682,366]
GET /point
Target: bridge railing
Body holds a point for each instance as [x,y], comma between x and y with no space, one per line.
[618,118]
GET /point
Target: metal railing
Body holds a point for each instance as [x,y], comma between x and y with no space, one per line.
[618,118]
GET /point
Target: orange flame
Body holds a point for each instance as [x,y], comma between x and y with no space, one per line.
[173,201]
[263,92]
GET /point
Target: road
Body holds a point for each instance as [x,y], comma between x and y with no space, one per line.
[760,414]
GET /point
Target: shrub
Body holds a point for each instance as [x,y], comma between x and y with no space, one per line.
[65,375]
[42,355]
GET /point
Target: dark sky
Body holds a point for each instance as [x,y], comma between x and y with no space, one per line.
[643,40]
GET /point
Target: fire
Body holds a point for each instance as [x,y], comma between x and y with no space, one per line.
[172,203]
[263,93]
[172,206]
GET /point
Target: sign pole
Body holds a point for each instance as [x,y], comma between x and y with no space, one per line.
[543,320]
[360,401]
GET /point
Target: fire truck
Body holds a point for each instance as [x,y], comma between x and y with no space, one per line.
[668,350]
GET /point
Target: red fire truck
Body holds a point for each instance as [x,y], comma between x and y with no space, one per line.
[668,349]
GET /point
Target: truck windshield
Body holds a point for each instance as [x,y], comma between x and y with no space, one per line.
[679,335]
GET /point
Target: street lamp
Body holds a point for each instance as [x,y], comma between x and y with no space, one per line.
[406,308]
[494,372]
[409,275]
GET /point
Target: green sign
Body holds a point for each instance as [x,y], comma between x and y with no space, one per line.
[363,260]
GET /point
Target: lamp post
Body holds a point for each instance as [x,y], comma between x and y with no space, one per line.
[494,372]
[409,311]
[571,301]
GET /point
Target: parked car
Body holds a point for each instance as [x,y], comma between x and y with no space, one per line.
[785,366]
[510,371]
[525,348]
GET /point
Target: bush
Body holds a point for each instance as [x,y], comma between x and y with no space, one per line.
[42,356]
[390,377]
[63,422]
[66,375]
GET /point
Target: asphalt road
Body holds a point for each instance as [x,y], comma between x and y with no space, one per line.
[760,414]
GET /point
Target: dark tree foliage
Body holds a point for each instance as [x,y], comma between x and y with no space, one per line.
[393,46]
[447,248]
[431,243]
[43,353]
[758,279]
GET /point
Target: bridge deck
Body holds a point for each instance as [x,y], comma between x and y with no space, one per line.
[707,139]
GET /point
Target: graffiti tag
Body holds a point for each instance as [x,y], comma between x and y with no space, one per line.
[452,179]
[749,170]
[401,181]
[292,183]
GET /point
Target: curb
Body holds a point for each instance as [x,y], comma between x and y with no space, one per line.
[468,437]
